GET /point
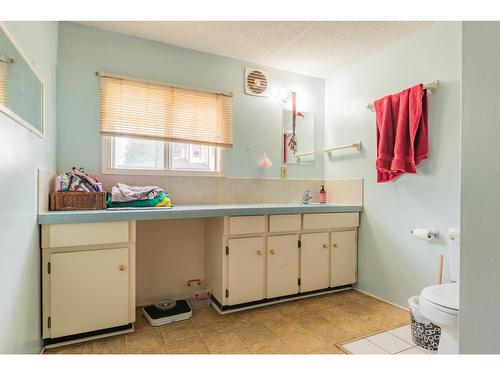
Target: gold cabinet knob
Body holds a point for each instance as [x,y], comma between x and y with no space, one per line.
[325,246]
[335,245]
[272,252]
[122,268]
[259,252]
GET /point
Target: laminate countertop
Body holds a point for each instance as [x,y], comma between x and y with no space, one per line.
[191,211]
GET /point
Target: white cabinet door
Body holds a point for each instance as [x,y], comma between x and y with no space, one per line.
[246,278]
[343,258]
[282,265]
[314,261]
[89,290]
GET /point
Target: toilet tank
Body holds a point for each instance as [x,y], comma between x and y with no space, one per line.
[454,253]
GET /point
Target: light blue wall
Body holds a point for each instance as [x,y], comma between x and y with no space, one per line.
[21,153]
[480,203]
[257,121]
[392,264]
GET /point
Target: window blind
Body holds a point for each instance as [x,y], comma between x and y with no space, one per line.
[140,109]
[3,82]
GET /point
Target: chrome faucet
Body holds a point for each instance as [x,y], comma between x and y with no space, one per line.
[306,199]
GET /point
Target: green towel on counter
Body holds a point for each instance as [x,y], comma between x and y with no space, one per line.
[140,203]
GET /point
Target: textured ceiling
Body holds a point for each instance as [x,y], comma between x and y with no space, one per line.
[314,48]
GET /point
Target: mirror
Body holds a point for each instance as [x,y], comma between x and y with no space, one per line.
[304,135]
[21,89]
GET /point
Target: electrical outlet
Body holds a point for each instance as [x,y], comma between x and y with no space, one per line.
[284,171]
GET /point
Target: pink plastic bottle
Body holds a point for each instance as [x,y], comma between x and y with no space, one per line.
[322,194]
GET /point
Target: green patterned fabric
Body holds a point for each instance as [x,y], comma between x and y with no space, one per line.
[141,203]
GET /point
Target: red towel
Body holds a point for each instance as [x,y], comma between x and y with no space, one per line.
[402,136]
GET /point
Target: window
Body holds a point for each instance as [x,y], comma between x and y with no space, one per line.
[158,128]
[129,153]
[184,156]
[138,156]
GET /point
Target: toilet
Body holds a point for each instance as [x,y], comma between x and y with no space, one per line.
[440,303]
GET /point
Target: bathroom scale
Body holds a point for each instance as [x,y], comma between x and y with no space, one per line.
[157,317]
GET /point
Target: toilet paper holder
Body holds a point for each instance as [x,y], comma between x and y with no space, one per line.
[430,234]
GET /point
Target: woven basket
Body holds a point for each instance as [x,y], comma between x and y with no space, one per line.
[67,201]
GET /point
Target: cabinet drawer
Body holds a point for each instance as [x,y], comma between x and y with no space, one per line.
[334,220]
[283,223]
[247,224]
[63,235]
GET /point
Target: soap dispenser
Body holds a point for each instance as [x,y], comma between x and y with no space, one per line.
[322,194]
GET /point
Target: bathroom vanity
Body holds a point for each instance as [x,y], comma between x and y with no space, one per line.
[252,260]
[254,255]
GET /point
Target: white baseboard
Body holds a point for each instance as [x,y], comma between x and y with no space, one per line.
[381,299]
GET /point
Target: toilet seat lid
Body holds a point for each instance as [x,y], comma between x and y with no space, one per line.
[444,295]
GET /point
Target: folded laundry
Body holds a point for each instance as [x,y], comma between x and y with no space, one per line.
[127,193]
[162,200]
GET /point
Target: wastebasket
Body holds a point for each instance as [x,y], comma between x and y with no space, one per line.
[200,296]
[424,333]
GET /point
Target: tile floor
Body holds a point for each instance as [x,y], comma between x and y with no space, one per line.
[314,325]
[394,341]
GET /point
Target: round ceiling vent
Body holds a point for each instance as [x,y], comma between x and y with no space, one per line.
[256,82]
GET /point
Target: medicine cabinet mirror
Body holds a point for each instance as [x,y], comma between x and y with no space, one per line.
[21,89]
[304,135]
